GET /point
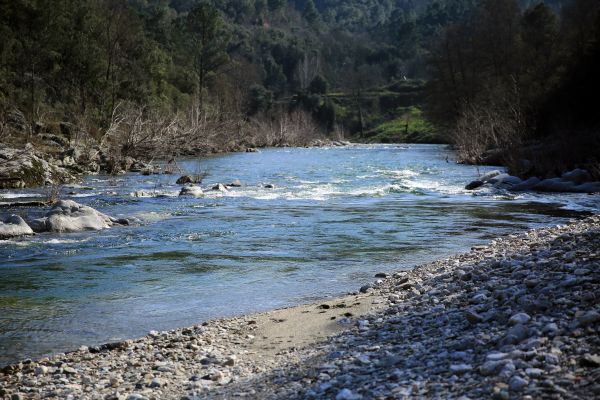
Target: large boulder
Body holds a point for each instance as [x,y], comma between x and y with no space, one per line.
[489,175]
[67,216]
[194,191]
[14,226]
[474,185]
[20,168]
[527,184]
[185,179]
[504,180]
[554,185]
[588,187]
[577,176]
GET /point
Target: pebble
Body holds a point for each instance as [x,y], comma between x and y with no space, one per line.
[460,368]
[517,384]
[520,318]
[590,317]
[346,394]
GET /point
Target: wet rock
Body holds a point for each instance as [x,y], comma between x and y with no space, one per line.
[194,191]
[67,216]
[14,226]
[219,187]
[474,185]
[185,179]
[577,176]
[504,180]
[526,185]
[269,186]
[235,183]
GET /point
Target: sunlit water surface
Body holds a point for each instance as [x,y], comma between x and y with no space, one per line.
[335,218]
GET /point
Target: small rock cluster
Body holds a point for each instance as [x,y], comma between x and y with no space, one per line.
[518,318]
[66,216]
[328,143]
[196,191]
[575,181]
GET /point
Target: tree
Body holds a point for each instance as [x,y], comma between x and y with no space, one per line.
[208,41]
[318,85]
[275,5]
[310,13]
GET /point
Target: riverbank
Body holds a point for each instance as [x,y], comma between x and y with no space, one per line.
[30,167]
[518,317]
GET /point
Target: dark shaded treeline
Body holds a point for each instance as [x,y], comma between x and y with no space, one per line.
[523,83]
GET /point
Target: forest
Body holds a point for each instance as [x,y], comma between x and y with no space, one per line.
[165,78]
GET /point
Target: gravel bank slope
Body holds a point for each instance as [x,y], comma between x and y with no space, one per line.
[519,318]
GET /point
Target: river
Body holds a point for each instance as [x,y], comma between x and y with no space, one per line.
[335,217]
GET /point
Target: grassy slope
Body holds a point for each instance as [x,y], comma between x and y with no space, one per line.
[391,114]
[409,127]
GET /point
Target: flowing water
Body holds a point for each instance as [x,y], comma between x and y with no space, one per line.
[335,217]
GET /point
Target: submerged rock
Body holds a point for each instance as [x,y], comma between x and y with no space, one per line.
[235,183]
[68,216]
[14,226]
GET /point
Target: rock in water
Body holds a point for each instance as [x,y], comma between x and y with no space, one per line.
[474,185]
[184,180]
[235,183]
[195,191]
[68,216]
[577,176]
[219,187]
[14,226]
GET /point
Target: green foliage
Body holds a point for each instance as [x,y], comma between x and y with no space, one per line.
[81,58]
[318,85]
[310,13]
[207,41]
[410,127]
[260,99]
